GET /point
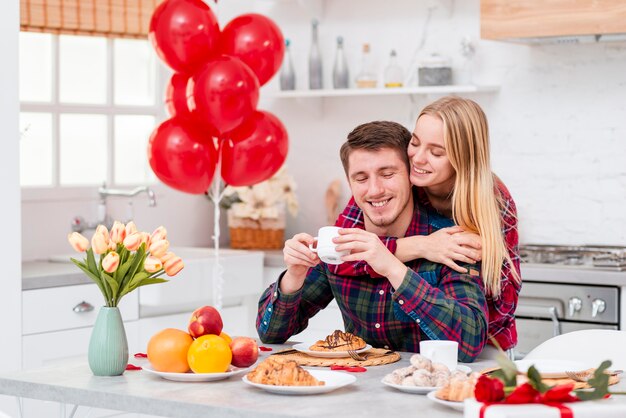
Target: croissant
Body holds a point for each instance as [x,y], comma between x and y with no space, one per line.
[282,373]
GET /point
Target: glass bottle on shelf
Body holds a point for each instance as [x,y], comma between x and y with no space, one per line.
[315,60]
[393,75]
[367,77]
[341,77]
[287,73]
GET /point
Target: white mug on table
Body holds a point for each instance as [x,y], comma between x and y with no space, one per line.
[325,248]
[440,351]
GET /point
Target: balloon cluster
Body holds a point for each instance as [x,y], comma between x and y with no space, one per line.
[212,98]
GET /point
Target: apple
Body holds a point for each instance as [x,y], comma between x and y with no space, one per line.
[205,320]
[245,351]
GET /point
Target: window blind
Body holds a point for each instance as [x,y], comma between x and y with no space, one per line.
[110,18]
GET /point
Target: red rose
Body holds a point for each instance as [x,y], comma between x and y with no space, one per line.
[560,393]
[488,389]
[523,394]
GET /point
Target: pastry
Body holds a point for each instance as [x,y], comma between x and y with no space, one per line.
[420,362]
[339,341]
[458,389]
[282,373]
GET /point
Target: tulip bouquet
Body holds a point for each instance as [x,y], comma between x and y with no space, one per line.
[128,259]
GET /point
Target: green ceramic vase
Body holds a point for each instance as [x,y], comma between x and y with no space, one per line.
[108,348]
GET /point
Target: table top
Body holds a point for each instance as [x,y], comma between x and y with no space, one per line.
[138,391]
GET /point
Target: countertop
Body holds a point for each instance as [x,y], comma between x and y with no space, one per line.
[135,391]
[571,274]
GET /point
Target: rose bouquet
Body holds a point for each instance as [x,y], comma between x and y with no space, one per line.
[127,260]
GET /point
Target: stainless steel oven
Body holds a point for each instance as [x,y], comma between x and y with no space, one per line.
[566,289]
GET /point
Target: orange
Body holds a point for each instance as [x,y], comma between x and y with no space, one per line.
[226,337]
[209,354]
[167,350]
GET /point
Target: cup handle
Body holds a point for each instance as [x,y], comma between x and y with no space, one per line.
[311,246]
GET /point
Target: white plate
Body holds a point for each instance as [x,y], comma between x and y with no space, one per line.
[421,390]
[304,348]
[333,380]
[196,377]
[550,368]
[450,404]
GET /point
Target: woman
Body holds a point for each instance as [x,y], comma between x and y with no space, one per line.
[449,163]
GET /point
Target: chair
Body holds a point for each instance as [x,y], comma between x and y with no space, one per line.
[591,346]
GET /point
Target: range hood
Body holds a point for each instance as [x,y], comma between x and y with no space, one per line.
[553,21]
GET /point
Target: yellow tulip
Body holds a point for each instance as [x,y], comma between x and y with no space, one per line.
[132,241]
[78,242]
[152,264]
[159,248]
[99,243]
[118,232]
[110,262]
[173,266]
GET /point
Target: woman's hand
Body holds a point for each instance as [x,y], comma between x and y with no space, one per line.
[449,245]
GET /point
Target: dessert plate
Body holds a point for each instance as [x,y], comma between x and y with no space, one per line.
[551,369]
[450,404]
[333,381]
[196,377]
[304,348]
[422,390]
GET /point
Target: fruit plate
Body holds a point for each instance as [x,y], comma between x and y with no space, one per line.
[333,380]
[422,390]
[450,404]
[304,348]
[196,377]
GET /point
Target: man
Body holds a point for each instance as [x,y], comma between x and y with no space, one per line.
[396,307]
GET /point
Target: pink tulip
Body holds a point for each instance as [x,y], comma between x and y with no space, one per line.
[145,239]
[110,262]
[130,228]
[166,256]
[78,242]
[173,266]
[101,229]
[159,234]
[99,243]
[118,232]
[132,241]
[152,264]
[159,248]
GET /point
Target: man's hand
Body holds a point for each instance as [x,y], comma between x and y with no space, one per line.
[298,258]
[367,246]
[449,245]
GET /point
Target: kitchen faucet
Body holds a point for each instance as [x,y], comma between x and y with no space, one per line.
[78,222]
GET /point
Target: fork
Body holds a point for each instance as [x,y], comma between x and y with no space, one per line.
[584,376]
[356,356]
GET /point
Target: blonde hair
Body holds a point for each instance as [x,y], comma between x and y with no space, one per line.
[476,201]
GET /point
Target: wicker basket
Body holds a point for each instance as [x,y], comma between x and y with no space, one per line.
[262,234]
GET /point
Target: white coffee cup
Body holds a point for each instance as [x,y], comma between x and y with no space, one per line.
[440,351]
[325,248]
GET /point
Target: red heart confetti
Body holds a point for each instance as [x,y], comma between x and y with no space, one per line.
[141,355]
[262,348]
[132,367]
[353,369]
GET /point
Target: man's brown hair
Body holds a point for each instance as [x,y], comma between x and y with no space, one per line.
[373,136]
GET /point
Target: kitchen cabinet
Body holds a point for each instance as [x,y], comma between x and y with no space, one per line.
[519,19]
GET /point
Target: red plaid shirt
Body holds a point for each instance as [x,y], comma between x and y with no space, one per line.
[501,309]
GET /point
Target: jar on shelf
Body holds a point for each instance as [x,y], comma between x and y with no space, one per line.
[435,70]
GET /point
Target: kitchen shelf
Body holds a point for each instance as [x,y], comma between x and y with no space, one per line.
[296,94]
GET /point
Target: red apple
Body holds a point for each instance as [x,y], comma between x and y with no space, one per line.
[245,351]
[205,320]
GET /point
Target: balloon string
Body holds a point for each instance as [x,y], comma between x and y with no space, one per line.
[218,270]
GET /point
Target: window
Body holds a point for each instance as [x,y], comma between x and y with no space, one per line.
[88,106]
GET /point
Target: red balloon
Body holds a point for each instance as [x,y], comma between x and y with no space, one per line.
[254,151]
[181,158]
[223,93]
[176,96]
[257,41]
[185,34]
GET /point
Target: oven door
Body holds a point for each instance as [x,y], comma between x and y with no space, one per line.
[532,332]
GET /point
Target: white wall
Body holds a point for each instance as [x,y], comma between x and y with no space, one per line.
[10,282]
[558,125]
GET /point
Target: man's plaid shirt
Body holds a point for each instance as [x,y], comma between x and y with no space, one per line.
[433,302]
[501,309]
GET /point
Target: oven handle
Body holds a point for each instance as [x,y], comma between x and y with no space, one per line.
[550,312]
